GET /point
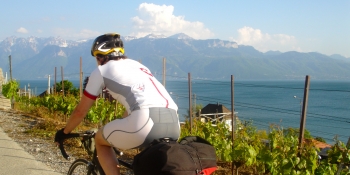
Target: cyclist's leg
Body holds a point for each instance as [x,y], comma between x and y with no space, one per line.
[134,131]
[106,155]
[121,133]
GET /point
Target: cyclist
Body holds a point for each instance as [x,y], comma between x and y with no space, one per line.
[151,112]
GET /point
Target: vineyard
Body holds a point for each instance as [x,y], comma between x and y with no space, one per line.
[250,152]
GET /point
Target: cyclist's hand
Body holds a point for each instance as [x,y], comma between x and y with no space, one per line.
[60,136]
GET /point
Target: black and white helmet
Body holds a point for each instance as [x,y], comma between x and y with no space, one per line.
[108,44]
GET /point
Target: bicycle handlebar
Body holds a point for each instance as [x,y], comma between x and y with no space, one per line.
[74,135]
[68,136]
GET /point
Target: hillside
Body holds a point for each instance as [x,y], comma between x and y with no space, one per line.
[35,58]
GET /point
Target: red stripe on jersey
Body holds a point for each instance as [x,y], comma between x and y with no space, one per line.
[87,94]
[167,103]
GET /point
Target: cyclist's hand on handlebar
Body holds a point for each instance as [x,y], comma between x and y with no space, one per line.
[60,136]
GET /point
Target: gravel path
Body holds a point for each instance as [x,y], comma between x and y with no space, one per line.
[44,150]
[16,124]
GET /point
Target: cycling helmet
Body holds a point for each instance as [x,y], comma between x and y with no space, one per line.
[107,44]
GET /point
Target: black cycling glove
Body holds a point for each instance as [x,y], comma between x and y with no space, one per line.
[60,136]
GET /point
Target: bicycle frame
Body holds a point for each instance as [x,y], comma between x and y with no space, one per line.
[95,164]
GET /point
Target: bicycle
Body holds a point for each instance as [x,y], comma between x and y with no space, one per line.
[190,153]
[89,167]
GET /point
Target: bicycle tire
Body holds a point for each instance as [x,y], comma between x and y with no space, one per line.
[80,167]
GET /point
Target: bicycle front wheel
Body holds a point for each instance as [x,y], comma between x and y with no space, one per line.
[79,167]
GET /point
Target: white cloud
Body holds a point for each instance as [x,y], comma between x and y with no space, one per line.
[72,34]
[22,30]
[159,19]
[264,41]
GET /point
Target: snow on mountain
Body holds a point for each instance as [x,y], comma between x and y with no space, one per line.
[61,53]
[35,57]
[129,38]
[35,43]
[154,36]
[181,36]
[7,43]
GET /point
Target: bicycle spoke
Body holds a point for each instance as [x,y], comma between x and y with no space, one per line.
[79,167]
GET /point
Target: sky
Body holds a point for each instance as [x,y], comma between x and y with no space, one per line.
[305,26]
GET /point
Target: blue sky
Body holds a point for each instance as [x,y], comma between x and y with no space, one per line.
[304,26]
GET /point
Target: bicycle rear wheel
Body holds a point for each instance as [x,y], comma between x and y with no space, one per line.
[81,167]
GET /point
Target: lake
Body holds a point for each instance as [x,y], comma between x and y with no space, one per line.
[264,102]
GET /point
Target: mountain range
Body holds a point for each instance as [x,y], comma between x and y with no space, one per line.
[36,58]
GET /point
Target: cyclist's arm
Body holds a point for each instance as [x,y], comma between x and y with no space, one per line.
[79,113]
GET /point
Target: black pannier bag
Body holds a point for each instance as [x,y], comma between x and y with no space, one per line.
[192,155]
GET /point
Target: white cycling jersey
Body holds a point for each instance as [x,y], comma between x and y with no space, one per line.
[130,83]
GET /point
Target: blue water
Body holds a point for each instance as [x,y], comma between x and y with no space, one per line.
[265,102]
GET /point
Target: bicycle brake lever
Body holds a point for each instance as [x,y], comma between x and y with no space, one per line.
[63,152]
